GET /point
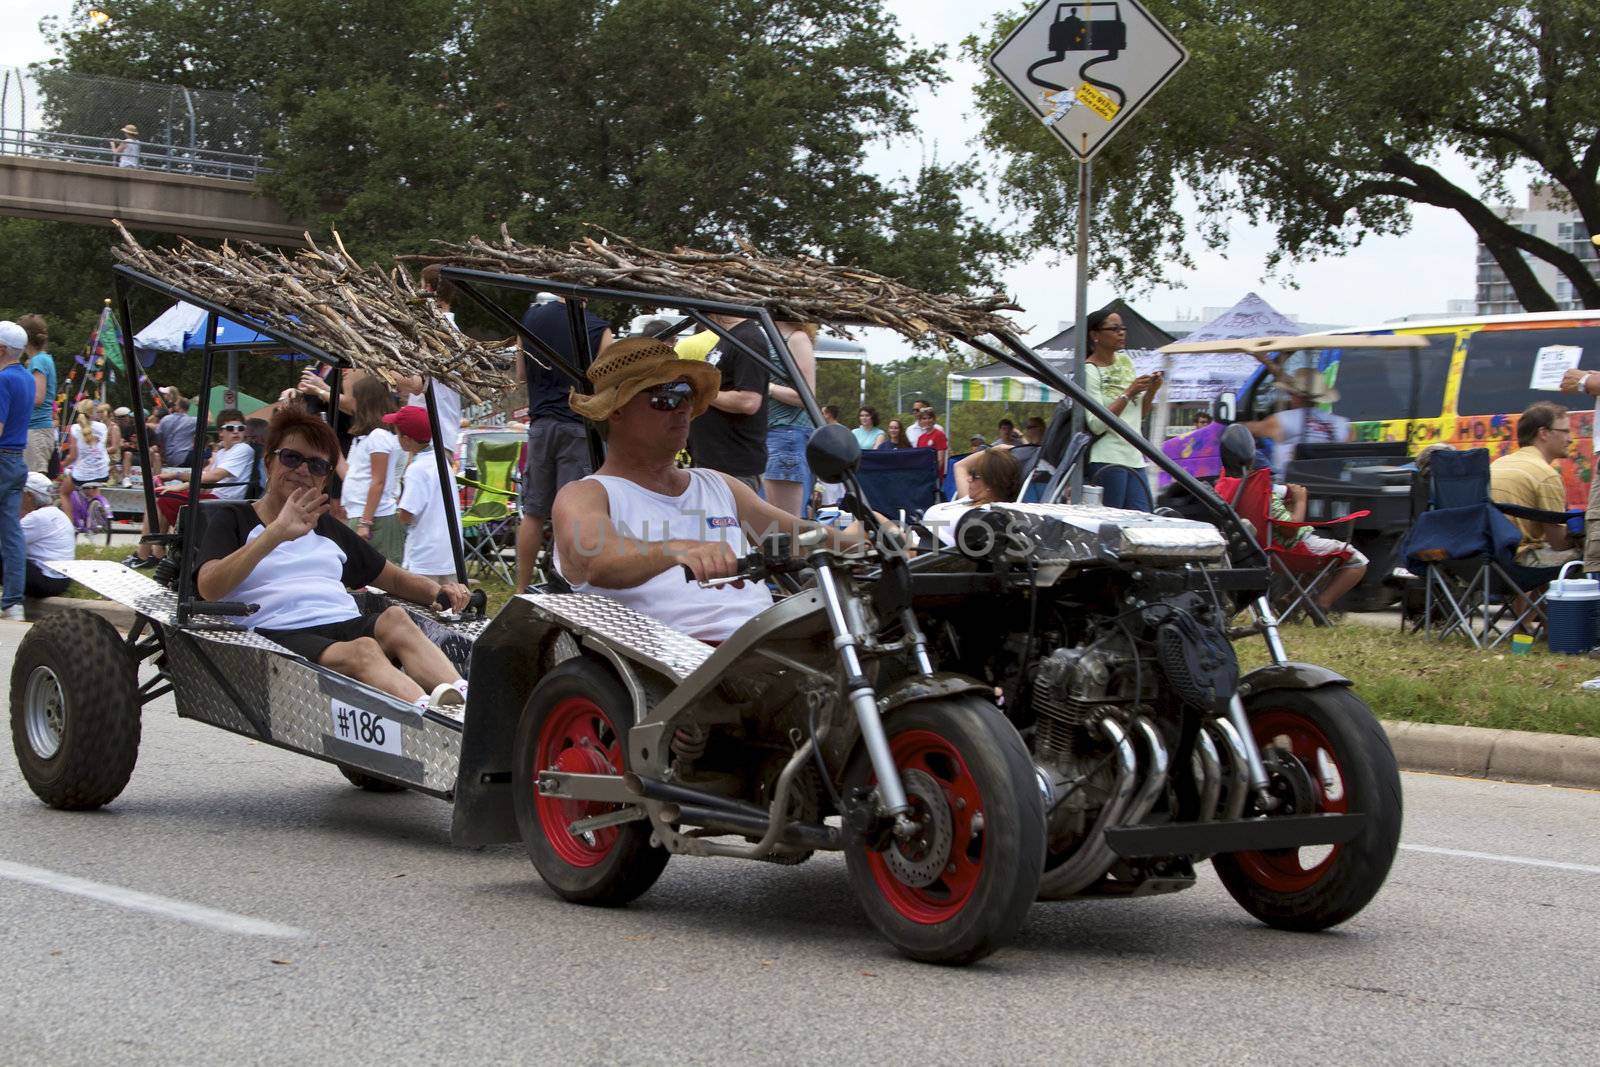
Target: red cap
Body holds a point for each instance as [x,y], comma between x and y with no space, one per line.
[411,421]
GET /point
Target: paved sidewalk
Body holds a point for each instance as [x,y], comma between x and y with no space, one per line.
[1467,751]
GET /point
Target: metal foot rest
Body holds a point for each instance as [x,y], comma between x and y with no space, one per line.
[1239,835]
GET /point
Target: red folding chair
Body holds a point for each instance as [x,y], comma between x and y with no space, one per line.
[1302,570]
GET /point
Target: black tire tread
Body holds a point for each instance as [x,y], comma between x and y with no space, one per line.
[369,783]
[1364,862]
[100,735]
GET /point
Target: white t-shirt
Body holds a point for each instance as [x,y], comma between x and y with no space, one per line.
[93,464]
[448,401]
[358,477]
[705,512]
[428,537]
[237,461]
[915,431]
[943,517]
[49,535]
[1301,425]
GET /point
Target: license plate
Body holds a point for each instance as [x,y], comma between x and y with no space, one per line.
[365,729]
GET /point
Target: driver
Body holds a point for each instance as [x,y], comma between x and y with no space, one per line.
[626,530]
[287,553]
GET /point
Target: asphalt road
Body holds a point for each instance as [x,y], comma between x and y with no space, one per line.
[242,905]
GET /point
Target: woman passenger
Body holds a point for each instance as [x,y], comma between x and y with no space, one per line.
[371,486]
[288,555]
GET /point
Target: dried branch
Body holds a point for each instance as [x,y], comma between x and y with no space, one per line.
[380,322]
[798,289]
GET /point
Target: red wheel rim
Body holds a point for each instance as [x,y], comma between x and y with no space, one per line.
[578,738]
[1293,870]
[923,750]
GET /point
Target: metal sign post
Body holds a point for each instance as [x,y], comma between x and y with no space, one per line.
[1084,67]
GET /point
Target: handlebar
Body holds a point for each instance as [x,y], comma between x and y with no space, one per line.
[775,555]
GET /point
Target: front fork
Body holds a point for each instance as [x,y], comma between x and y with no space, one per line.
[1255,767]
[864,701]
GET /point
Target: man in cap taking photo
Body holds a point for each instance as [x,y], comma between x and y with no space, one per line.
[16,407]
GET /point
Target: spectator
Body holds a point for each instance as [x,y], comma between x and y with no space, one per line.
[429,551]
[868,435]
[894,436]
[42,423]
[988,477]
[1008,434]
[1033,431]
[787,477]
[932,436]
[830,414]
[915,430]
[558,448]
[1115,465]
[127,433]
[87,459]
[976,443]
[16,407]
[731,436]
[1201,420]
[656,327]
[1302,421]
[125,152]
[1288,504]
[371,488]
[175,432]
[48,534]
[698,345]
[229,470]
[1526,478]
[446,401]
[102,415]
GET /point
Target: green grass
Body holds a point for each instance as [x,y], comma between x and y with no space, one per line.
[1404,676]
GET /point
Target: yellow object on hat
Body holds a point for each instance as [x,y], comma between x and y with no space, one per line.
[630,366]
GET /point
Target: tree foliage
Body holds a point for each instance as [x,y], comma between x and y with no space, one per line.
[1326,121]
[674,123]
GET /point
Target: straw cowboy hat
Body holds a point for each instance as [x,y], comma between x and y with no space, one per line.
[629,367]
[1308,382]
[131,130]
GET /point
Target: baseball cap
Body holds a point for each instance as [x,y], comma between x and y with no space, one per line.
[411,421]
[12,335]
[122,411]
[976,437]
[40,486]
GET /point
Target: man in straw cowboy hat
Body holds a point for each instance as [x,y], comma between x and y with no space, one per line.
[625,531]
[126,150]
[1301,422]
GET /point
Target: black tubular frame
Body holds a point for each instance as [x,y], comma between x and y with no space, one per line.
[124,279]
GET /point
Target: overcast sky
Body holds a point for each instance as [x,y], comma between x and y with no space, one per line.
[1382,279]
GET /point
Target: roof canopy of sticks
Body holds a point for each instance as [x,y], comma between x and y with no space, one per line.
[798,289]
[380,322]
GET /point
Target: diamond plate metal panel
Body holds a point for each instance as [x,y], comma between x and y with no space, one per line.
[672,652]
[1076,533]
[197,692]
[144,595]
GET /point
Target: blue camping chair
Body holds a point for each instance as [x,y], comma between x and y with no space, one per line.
[1465,547]
[900,480]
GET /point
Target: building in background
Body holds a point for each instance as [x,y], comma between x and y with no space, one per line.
[1545,219]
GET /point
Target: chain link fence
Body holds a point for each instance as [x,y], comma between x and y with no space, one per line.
[79,118]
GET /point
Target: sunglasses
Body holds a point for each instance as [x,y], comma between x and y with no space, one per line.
[291,459]
[669,397]
[237,427]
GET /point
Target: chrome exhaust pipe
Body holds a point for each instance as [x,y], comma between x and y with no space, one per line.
[1155,774]
[1237,777]
[1086,865]
[1205,751]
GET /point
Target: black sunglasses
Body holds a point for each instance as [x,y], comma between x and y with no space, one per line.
[238,427]
[669,397]
[291,459]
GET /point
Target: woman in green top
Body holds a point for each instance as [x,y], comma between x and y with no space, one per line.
[1114,464]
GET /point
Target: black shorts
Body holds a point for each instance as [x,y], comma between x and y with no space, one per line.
[312,641]
[558,453]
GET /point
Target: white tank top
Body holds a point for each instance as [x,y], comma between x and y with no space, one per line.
[704,512]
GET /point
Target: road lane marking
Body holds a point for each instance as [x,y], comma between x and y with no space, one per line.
[166,907]
[1526,861]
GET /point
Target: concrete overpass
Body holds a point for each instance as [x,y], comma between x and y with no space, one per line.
[142,199]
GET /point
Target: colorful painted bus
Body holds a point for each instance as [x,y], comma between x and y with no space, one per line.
[1466,388]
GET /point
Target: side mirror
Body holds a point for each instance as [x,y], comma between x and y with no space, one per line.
[1237,448]
[832,452]
[1225,407]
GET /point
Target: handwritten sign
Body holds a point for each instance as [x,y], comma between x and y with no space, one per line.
[1550,363]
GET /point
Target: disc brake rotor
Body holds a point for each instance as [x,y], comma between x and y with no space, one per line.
[919,861]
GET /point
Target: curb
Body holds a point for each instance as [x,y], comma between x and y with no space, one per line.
[1465,751]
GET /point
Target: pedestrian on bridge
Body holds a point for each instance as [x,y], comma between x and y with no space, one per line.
[126,151]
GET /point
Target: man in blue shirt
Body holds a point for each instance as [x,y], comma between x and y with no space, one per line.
[558,448]
[42,423]
[16,406]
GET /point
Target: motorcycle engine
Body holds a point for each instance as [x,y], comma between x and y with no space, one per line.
[1071,688]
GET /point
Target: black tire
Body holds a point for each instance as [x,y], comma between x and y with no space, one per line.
[1292,889]
[973,904]
[577,718]
[98,520]
[75,710]
[368,782]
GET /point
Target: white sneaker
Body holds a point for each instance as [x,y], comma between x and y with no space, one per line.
[15,614]
[448,700]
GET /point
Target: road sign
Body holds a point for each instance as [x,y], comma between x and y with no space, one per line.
[1085,67]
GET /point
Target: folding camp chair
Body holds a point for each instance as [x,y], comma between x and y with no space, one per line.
[489,515]
[1464,547]
[900,481]
[1297,571]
